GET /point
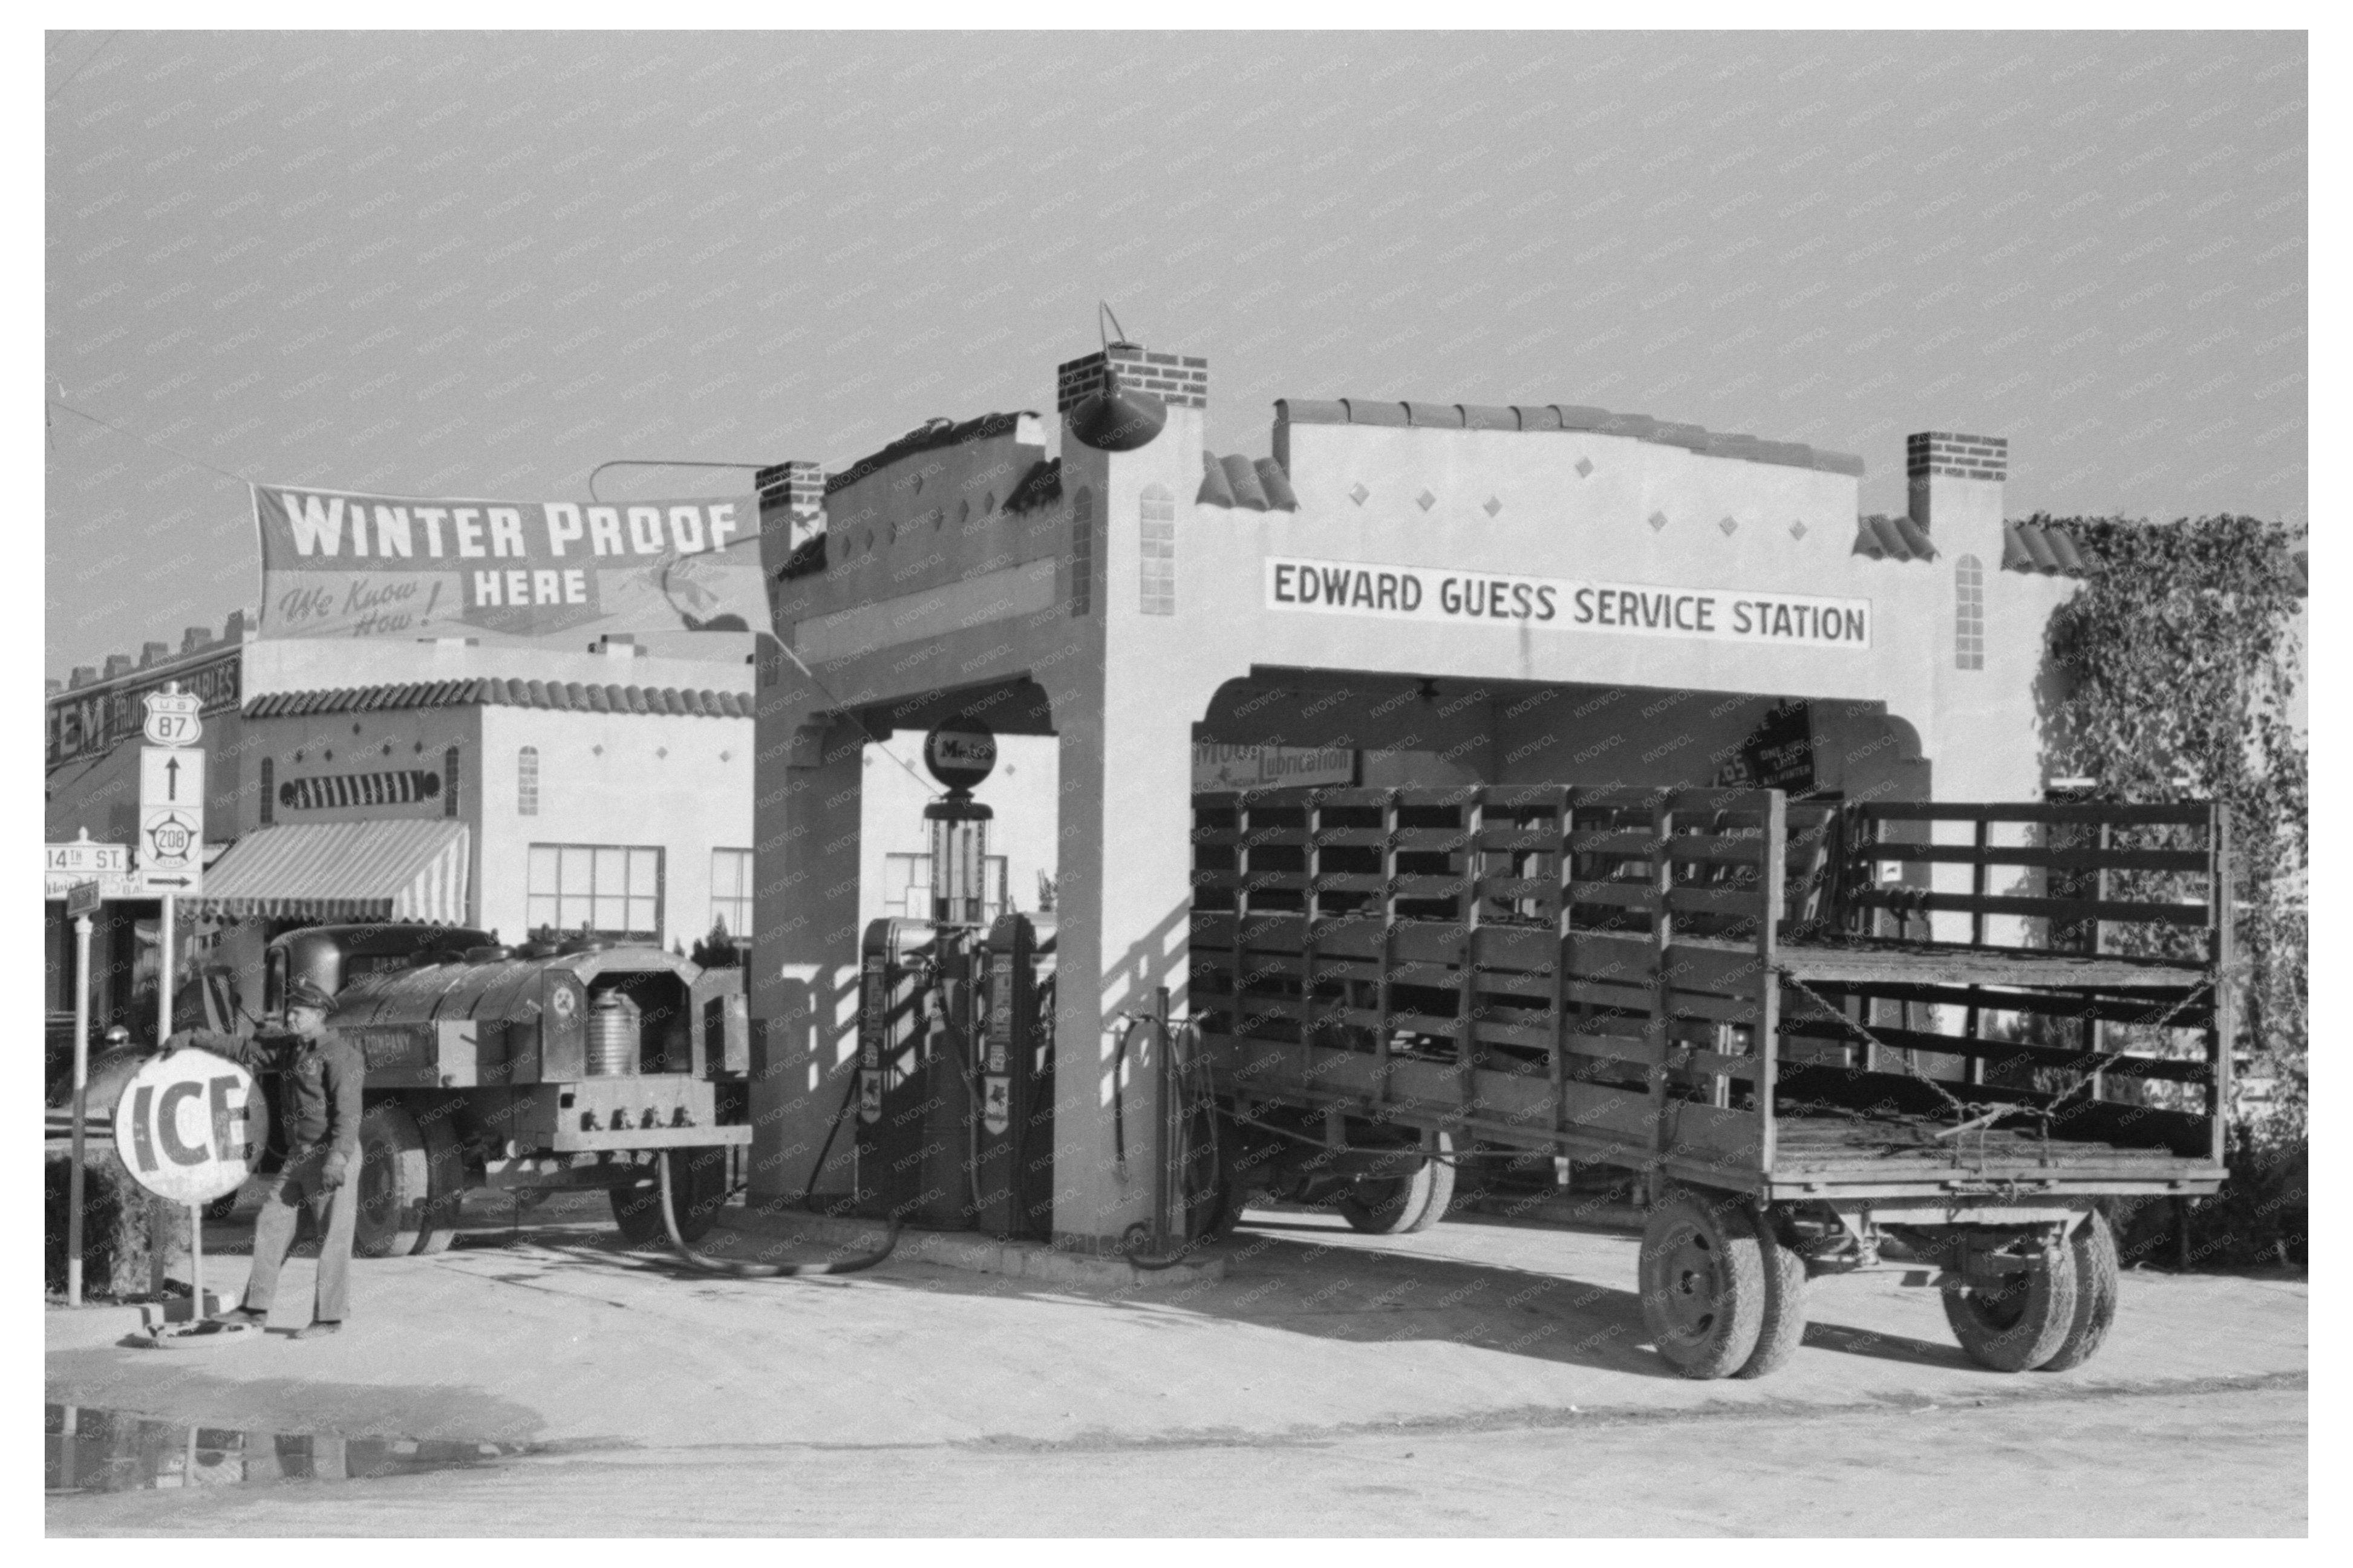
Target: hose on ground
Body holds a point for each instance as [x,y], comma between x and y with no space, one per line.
[709,1265]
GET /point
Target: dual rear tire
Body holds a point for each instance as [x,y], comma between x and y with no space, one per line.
[1403,1205]
[411,1178]
[2051,1315]
[1721,1295]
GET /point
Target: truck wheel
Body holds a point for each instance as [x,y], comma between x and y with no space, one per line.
[1784,1328]
[2094,1245]
[397,1202]
[1404,1204]
[444,1184]
[2017,1322]
[698,1184]
[1702,1281]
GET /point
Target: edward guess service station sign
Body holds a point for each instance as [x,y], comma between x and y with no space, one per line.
[1563,604]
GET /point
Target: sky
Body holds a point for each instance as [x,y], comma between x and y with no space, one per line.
[445,264]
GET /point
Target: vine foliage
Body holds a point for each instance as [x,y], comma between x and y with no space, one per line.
[2173,670]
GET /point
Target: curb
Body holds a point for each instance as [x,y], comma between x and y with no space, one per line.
[979,1254]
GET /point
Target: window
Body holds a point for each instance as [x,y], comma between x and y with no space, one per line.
[730,890]
[268,792]
[527,781]
[449,782]
[1158,539]
[1082,551]
[907,886]
[612,890]
[1969,614]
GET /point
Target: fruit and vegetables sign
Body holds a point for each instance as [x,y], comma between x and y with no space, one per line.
[335,564]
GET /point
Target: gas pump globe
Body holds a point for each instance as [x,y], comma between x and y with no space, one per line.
[959,829]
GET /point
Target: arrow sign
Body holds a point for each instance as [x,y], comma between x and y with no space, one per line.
[171,818]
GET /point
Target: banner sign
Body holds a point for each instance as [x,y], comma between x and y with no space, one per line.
[335,563]
[1564,604]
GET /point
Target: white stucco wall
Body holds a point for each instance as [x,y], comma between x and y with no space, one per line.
[683,784]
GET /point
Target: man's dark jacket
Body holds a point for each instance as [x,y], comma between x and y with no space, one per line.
[319,1091]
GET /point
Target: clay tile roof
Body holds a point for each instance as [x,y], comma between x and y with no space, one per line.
[1560,416]
[1235,482]
[2044,549]
[1898,538]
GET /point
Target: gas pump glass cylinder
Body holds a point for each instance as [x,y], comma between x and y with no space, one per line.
[959,859]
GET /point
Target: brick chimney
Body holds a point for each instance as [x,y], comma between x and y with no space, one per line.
[1956,482]
[1178,380]
[792,505]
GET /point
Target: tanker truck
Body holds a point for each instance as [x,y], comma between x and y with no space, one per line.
[564,1063]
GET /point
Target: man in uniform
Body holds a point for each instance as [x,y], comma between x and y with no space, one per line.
[320,1074]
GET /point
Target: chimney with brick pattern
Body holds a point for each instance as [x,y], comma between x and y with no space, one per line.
[1957,484]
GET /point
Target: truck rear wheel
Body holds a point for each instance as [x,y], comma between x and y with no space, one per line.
[1403,1204]
[2015,1322]
[1784,1328]
[410,1179]
[698,1184]
[2095,1249]
[1702,1281]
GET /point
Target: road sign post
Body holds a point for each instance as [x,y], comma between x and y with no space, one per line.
[79,903]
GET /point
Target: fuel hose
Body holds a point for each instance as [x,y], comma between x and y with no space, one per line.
[740,1270]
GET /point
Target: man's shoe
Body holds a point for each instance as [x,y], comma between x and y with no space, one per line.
[244,1315]
[320,1329]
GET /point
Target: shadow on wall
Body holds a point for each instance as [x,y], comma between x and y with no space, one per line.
[824,1015]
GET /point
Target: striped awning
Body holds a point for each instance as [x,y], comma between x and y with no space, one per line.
[401,869]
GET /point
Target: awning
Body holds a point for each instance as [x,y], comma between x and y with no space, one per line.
[401,869]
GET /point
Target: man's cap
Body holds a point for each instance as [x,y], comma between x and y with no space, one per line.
[304,993]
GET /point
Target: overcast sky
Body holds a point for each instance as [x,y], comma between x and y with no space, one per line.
[458,265]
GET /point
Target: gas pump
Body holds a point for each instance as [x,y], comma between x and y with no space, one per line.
[955,1034]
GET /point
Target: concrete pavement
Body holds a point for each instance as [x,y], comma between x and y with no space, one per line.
[1316,1335]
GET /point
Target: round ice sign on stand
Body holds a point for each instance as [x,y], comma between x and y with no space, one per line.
[960,753]
[190,1126]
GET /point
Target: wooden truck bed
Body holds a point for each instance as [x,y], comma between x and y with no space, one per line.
[1679,983]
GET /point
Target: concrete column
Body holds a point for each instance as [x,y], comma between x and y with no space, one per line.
[1125,711]
[805,948]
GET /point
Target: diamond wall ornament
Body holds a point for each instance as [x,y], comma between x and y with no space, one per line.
[1358,495]
[1584,467]
[1798,529]
[1493,506]
[1657,521]
[1729,527]
[1425,501]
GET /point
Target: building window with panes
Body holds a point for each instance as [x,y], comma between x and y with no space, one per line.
[731,891]
[527,781]
[1969,614]
[1156,542]
[610,890]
